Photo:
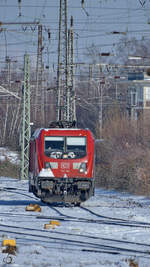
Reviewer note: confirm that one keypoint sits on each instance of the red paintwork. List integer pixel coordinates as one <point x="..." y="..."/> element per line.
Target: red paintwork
<point x="65" y="166"/>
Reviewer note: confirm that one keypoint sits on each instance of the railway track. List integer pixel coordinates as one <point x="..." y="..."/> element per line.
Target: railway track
<point x="31" y="235"/>
<point x="74" y="234"/>
<point x="63" y="217"/>
<point x="17" y="191"/>
<point x="103" y="219"/>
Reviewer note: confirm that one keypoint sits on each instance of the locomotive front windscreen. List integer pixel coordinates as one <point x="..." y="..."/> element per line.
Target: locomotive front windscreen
<point x="65" y="147"/>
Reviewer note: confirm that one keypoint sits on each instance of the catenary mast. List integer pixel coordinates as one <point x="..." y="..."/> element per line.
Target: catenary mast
<point x="25" y="135"/>
<point x="65" y="100"/>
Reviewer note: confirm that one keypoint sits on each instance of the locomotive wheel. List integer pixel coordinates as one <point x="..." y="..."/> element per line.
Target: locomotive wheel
<point x="83" y="196"/>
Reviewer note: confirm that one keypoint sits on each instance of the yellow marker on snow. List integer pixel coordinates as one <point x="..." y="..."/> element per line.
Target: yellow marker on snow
<point x="33" y="207"/>
<point x="48" y="226"/>
<point x="9" y="242"/>
<point x="57" y="223"/>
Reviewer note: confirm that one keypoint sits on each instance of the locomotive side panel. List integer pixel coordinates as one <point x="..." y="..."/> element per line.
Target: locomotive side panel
<point x="33" y="164"/>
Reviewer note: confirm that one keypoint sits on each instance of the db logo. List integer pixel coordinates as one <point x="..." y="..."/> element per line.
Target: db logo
<point x="65" y="165"/>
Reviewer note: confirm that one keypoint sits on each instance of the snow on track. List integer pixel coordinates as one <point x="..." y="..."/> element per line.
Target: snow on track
<point x="110" y="229"/>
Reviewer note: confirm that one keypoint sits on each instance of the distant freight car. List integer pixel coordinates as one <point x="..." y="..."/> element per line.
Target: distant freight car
<point x="61" y="165"/>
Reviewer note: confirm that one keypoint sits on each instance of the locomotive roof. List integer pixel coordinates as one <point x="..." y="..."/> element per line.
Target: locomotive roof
<point x="38" y="131"/>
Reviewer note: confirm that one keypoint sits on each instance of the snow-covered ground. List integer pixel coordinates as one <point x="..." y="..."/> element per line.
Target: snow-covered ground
<point x="110" y="229"/>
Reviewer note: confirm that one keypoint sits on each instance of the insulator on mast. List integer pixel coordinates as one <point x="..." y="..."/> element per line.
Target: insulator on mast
<point x="82" y="3"/>
<point x="142" y="2"/>
<point x="19" y="5"/>
<point x="49" y="34"/>
<point x="71" y="21"/>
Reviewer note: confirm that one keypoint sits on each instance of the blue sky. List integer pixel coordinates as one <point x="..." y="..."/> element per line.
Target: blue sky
<point x="95" y="26"/>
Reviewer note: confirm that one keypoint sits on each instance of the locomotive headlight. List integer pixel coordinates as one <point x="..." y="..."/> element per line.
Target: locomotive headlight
<point x="65" y="156"/>
<point x="82" y="167"/>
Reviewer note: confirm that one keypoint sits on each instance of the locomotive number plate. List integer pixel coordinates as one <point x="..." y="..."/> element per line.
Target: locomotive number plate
<point x="65" y="165"/>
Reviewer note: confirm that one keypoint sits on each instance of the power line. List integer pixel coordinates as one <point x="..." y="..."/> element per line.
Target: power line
<point x="74" y="7"/>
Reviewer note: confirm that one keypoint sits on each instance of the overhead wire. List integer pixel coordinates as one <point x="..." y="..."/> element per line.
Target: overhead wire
<point x="71" y="7"/>
<point x="82" y="29"/>
<point x="80" y="48"/>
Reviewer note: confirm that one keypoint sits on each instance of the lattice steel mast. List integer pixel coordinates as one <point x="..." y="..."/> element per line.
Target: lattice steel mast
<point x="25" y="134"/>
<point x="72" y="104"/>
<point x="39" y="94"/>
<point x="65" y="101"/>
<point x="62" y="68"/>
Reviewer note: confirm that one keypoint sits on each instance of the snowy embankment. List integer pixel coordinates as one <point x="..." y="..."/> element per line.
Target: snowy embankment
<point x="110" y="229"/>
<point x="6" y="154"/>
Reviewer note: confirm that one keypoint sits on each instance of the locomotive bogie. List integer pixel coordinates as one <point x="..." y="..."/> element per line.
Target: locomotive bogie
<point x="62" y="190"/>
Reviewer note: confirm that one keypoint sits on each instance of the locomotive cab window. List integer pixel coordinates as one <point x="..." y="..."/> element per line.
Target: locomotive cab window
<point x="76" y="145"/>
<point x="65" y="147"/>
<point x="54" y="144"/>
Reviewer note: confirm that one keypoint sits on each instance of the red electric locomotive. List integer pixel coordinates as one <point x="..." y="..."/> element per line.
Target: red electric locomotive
<point x="61" y="166"/>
